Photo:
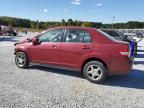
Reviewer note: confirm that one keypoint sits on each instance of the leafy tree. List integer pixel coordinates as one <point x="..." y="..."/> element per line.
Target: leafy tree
<point x="63" y="23"/>
<point x="96" y="25"/>
<point x="26" y="23"/>
<point x="76" y="23"/>
<point x="86" y="24"/>
<point x="70" y="22"/>
<point x="134" y="24"/>
<point x="33" y="25"/>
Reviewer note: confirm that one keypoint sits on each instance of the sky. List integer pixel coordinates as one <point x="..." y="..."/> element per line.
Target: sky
<point x="105" y="11"/>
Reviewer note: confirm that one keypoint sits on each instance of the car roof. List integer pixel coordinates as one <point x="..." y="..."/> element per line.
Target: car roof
<point x="72" y="27"/>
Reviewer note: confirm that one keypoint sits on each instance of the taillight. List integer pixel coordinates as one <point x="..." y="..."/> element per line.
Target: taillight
<point x="125" y="51"/>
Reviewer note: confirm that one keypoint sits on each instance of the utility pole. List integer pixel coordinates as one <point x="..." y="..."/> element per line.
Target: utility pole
<point x="113" y="22"/>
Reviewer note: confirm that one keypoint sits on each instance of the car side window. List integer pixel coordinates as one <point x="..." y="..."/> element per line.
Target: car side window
<point x="80" y="36"/>
<point x="52" y="36"/>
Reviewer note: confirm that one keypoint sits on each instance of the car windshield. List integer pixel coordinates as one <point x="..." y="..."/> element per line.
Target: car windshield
<point x="51" y="36"/>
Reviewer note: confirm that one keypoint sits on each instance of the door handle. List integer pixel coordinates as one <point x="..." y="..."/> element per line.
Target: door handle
<point x="54" y="46"/>
<point x="85" y="47"/>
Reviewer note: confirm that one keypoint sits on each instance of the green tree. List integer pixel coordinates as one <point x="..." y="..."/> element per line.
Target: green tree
<point x="33" y="25"/>
<point x="86" y="24"/>
<point x="63" y="23"/>
<point x="76" y="23"/>
<point x="70" y="22"/>
<point x="134" y="25"/>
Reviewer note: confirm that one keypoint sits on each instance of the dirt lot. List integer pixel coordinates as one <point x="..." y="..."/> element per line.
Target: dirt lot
<point x="43" y="87"/>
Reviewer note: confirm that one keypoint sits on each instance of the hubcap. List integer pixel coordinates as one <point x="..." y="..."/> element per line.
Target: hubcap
<point x="94" y="72"/>
<point x="20" y="59"/>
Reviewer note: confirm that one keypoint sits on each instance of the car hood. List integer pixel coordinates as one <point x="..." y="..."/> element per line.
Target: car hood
<point x="23" y="41"/>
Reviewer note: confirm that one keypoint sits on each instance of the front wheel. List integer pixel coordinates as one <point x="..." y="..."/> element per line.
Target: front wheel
<point x="21" y="60"/>
<point x="14" y="34"/>
<point x="95" y="71"/>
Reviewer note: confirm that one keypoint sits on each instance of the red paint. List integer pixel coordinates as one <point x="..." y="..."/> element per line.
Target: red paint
<point x="74" y="55"/>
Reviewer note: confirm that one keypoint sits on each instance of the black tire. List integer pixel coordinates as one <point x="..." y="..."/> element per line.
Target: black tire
<point x="99" y="70"/>
<point x="14" y="34"/>
<point x="21" y="60"/>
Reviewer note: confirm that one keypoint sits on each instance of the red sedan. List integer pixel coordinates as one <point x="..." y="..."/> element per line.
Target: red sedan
<point x="87" y="50"/>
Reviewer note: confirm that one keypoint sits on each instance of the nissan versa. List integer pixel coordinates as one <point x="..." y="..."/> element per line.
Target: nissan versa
<point x="88" y="50"/>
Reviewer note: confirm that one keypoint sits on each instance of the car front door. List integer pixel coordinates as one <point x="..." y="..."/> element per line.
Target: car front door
<point x="48" y="51"/>
<point x="76" y="45"/>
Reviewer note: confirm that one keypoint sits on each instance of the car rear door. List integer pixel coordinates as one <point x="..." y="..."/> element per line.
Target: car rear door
<point x="76" y="45"/>
<point x="49" y="49"/>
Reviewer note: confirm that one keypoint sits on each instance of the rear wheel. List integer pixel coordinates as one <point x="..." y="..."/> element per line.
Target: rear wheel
<point x="14" y="34"/>
<point x="95" y="71"/>
<point x="21" y="60"/>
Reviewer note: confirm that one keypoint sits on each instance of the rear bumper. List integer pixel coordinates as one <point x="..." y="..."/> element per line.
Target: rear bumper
<point x="121" y="66"/>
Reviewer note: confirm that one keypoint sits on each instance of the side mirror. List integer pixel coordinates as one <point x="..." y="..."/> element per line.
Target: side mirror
<point x="35" y="41"/>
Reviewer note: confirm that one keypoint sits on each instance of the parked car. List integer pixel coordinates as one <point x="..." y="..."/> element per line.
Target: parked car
<point x="86" y="50"/>
<point x="7" y="30"/>
<point x="120" y="36"/>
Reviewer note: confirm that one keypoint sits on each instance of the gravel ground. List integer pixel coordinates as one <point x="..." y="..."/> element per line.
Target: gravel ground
<point x="44" y="87"/>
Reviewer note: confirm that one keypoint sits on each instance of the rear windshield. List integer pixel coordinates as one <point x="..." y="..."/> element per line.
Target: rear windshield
<point x="107" y="35"/>
<point x="111" y="33"/>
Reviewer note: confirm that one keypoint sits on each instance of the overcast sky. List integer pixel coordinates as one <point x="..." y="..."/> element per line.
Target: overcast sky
<point x="85" y="10"/>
